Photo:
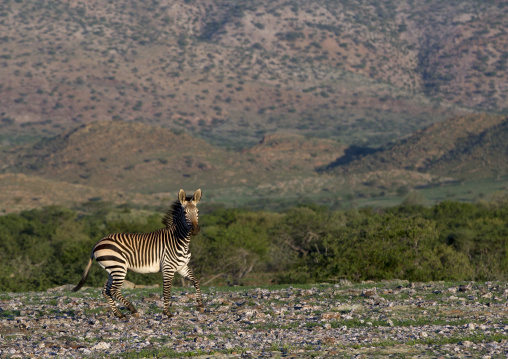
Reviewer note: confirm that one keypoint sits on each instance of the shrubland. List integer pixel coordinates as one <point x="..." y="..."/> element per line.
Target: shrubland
<point x="48" y="247"/>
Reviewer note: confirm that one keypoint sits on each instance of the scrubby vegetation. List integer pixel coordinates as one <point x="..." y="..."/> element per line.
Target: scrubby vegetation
<point x="307" y="244"/>
<point x="228" y="72"/>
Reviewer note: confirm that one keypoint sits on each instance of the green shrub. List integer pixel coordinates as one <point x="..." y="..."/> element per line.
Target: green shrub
<point x="49" y="247"/>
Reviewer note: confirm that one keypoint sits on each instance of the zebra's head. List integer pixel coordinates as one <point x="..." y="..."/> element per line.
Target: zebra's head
<point x="190" y="210"/>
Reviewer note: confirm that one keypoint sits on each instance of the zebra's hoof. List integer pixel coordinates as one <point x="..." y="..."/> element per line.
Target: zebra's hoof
<point x="169" y="314"/>
<point x="135" y="315"/>
<point x="201" y="309"/>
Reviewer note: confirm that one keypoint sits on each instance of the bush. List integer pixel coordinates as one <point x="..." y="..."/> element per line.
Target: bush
<point x="49" y="247"/>
<point x="233" y="244"/>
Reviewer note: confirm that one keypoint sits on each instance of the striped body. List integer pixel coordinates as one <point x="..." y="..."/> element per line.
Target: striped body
<point x="165" y="250"/>
<point x="142" y="252"/>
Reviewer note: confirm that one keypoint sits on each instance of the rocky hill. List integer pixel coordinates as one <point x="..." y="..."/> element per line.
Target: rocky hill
<point x="122" y="162"/>
<point x="465" y="147"/>
<point x="230" y="72"/>
<point x="131" y="160"/>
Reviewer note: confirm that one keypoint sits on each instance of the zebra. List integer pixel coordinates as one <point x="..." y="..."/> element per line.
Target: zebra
<point x="166" y="250"/>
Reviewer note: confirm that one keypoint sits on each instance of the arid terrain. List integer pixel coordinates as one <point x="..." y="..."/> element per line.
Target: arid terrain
<point x="138" y="164"/>
<point x="127" y="102"/>
<point x="393" y="319"/>
<point x="230" y="72"/>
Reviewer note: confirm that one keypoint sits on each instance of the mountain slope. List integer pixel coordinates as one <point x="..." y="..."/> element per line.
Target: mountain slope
<point x="481" y="155"/>
<point x="22" y="192"/>
<point x="472" y="146"/>
<point x="134" y="157"/>
<point x="123" y="162"/>
<point x="230" y="72"/>
<point x="119" y="155"/>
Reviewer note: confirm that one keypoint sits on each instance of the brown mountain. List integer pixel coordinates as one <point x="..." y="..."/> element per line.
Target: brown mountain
<point x="122" y="162"/>
<point x="137" y="158"/>
<point x="467" y="147"/>
<point x="481" y="155"/>
<point x="120" y="155"/>
<point x="230" y="72"/>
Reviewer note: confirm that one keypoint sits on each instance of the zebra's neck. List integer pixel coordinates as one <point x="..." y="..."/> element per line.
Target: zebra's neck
<point x="179" y="231"/>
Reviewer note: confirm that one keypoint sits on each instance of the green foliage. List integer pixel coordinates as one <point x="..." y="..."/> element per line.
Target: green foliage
<point x="450" y="241"/>
<point x="44" y="248"/>
<point x="240" y="239"/>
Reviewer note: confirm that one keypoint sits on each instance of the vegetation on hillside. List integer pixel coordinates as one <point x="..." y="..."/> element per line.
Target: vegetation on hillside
<point x="363" y="72"/>
<point x="140" y="164"/>
<point x="461" y="148"/>
<point x="307" y="244"/>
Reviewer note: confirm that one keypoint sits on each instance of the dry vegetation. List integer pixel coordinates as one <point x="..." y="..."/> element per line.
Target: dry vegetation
<point x="472" y="146"/>
<point x="121" y="162"/>
<point x="230" y="72"/>
<point x="213" y="79"/>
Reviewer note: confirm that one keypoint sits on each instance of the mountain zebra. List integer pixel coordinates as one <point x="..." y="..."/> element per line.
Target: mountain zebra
<point x="165" y="250"/>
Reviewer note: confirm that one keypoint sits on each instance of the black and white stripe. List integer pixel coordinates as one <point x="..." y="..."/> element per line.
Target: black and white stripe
<point x="165" y="250"/>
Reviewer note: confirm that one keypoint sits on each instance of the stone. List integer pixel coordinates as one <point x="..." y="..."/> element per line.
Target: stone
<point x="330" y="315"/>
<point x="267" y="323"/>
<point x="101" y="346"/>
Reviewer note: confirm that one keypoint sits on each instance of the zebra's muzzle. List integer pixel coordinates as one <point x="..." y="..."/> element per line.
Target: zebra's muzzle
<point x="195" y="230"/>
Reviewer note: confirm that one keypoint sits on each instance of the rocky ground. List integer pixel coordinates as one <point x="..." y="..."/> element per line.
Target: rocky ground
<point x="393" y="319"/>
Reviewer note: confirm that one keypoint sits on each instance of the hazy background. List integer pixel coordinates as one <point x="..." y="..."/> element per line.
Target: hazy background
<point x="257" y="102"/>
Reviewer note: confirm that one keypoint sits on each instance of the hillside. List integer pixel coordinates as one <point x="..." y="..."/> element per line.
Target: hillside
<point x="479" y="155"/>
<point x="21" y="192"/>
<point x="132" y="159"/>
<point x="294" y="152"/>
<point x="229" y="72"/>
<point x="121" y="162"/>
<point x="467" y="147"/>
<point x="117" y="155"/>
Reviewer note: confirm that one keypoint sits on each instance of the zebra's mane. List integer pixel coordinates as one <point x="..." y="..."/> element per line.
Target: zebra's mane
<point x="173" y="212"/>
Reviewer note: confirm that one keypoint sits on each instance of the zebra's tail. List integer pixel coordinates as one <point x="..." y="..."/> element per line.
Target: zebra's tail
<point x="85" y="275"/>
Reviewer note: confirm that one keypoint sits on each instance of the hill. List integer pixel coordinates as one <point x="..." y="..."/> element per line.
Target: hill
<point x="482" y="155"/>
<point x="468" y="147"/>
<point x="133" y="159"/>
<point x="230" y="72"/>
<point x="21" y="192"/>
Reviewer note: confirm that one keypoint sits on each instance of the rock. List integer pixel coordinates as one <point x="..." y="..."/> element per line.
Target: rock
<point x="470" y="326"/>
<point x="464" y="288"/>
<point x="287" y="322"/>
<point x="128" y="285"/>
<point x="330" y="315"/>
<point x="101" y="346"/>
<point x="369" y="293"/>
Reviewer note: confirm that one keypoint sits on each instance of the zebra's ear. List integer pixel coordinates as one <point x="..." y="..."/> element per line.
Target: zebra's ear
<point x="197" y="196"/>
<point x="181" y="196"/>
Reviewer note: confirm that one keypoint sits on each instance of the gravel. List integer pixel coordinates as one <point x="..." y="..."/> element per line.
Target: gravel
<point x="392" y="318"/>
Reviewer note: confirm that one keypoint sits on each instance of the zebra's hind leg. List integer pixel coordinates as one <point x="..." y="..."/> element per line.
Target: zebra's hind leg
<point x="187" y="273"/>
<point x="107" y="293"/>
<point x="116" y="293"/>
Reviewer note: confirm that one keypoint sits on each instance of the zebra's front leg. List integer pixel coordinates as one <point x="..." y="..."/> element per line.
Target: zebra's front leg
<point x="167" y="282"/>
<point x="187" y="273"/>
